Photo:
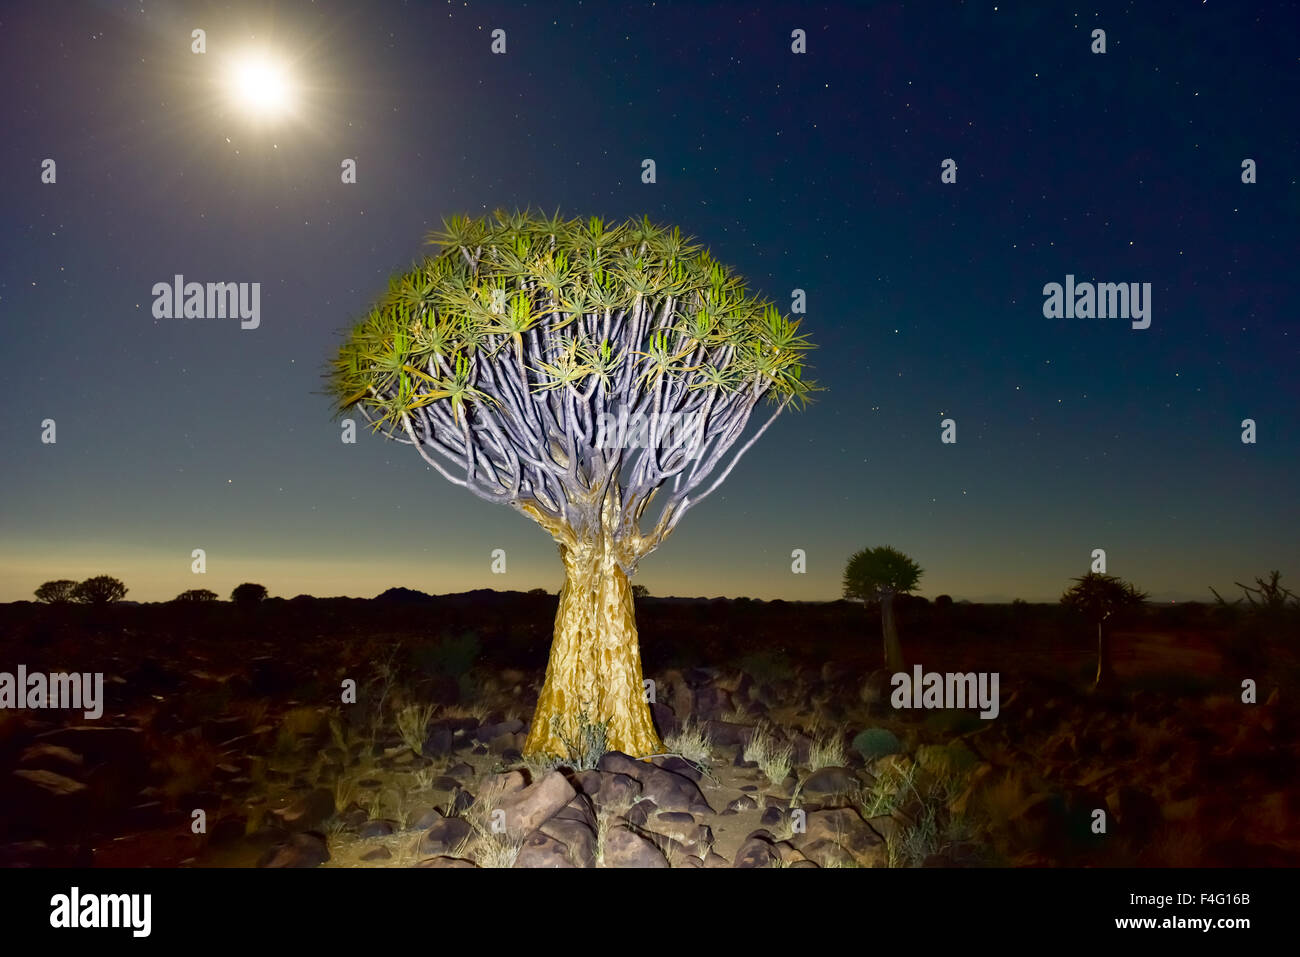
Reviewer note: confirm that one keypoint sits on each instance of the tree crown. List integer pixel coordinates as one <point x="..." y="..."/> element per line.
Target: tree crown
<point x="1099" y="596"/>
<point x="516" y="357"/>
<point x="99" y="590"/>
<point x="874" y="573"/>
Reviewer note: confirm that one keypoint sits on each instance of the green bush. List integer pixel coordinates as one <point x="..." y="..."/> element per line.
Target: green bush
<point x="767" y="665"/>
<point x="876" y="743"/>
<point x="452" y="656"/>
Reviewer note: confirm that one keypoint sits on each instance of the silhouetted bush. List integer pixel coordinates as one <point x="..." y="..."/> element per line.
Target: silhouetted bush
<point x="100" y="590"/>
<point x="248" y="594"/>
<point x="57" y="592"/>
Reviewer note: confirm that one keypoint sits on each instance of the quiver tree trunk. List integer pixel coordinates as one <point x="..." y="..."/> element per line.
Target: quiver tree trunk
<point x="1105" y="679"/>
<point x="576" y="371"/>
<point x="594" y="668"/>
<point x="893" y="650"/>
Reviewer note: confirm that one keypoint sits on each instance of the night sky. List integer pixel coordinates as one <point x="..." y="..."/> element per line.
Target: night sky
<point x="817" y="171"/>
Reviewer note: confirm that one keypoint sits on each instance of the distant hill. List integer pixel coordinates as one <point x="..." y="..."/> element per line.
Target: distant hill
<point x="404" y="596"/>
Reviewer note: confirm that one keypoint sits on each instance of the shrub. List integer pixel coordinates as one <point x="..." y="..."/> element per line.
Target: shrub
<point x="767" y="665"/>
<point x="248" y="594"/>
<point x="876" y="743"/>
<point x="57" y="592"/>
<point x="100" y="590"/>
<point x="452" y="656"/>
<point x="588" y="746"/>
<point x="196" y="595"/>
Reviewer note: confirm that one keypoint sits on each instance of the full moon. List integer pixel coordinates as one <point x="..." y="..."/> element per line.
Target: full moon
<point x="260" y="85"/>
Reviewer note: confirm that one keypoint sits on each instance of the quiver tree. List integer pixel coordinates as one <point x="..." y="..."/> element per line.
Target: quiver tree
<point x="248" y="595"/>
<point x="878" y="574"/>
<point x="579" y="373"/>
<point x="100" y="590"/>
<point x="61" y="591"/>
<point x="1101" y="597"/>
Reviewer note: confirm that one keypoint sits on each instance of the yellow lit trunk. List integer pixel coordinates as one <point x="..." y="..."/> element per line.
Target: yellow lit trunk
<point x="595" y="662"/>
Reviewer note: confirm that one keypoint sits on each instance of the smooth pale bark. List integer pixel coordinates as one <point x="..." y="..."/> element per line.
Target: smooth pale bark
<point x="595" y="662"/>
<point x="893" y="650"/>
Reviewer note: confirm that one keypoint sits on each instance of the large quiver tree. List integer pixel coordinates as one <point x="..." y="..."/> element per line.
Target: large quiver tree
<point x="577" y="372"/>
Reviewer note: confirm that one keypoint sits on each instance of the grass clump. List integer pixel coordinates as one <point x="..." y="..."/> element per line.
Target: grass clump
<point x="773" y="757"/>
<point x="692" y="742"/>
<point x="413" y="725"/>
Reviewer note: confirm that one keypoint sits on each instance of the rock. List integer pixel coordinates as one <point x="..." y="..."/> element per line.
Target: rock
<point x="843" y="826"/>
<point x="772" y="816"/>
<point x="832" y="781"/>
<point x="668" y="790"/>
<point x="422" y="818"/>
<point x="101" y="744"/>
<point x="683" y="828"/>
<point x="309" y="812"/>
<point x="52" y="757"/>
<point x="742" y="803"/>
<point x="625" y="848"/>
<point x="511" y="782"/>
<point x="445" y="837"/>
<point x="826" y="853"/>
<point x="443" y="861"/>
<point x="377" y="854"/>
<point x="308" y="723"/>
<point x="376" y="828"/>
<point x="304" y="849"/>
<point x="43" y="803"/>
<point x="438" y="742"/>
<point x="577" y="837"/>
<point x="607" y="789"/>
<point x="526" y="810"/>
<point x="665" y="719"/>
<point x="542" y="850"/>
<point x="489" y="732"/>
<point x="756" y="852"/>
<point x="787" y="852"/>
<point x="48" y="784"/>
<point x="886" y="826"/>
<point x="461" y="801"/>
<point x="507" y="744"/>
<point x="728" y="734"/>
<point x="640" y="812"/>
<point x="679" y="766"/>
<point x="711" y="702"/>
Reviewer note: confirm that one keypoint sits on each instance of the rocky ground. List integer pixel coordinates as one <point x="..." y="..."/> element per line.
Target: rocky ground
<point x="237" y="756"/>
